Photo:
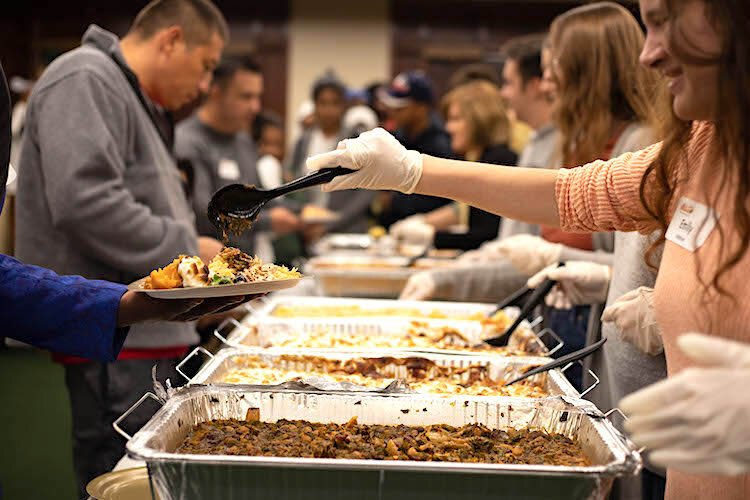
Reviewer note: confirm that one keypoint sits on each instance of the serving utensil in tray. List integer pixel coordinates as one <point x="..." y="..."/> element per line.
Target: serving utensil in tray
<point x="263" y="324"/>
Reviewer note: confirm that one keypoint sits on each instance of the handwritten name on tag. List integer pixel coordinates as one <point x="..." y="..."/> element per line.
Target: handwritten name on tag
<point x="691" y="224"/>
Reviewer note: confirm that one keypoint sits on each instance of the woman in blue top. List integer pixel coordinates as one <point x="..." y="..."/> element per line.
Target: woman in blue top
<point x="70" y="314"/>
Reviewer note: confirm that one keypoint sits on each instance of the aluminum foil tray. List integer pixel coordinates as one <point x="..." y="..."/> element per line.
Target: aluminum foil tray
<point x="450" y="309"/>
<point x="261" y="326"/>
<point x="186" y="477"/>
<point x="268" y="334"/>
<point x="382" y="282"/>
<point x="554" y="382"/>
<point x="340" y="244"/>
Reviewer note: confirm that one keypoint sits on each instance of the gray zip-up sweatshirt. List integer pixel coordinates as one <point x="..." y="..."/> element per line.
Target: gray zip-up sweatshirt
<point x="99" y="193"/>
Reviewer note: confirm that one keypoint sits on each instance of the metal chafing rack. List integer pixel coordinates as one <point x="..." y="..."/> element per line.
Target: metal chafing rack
<point x="177" y="476"/>
<point x="499" y="368"/>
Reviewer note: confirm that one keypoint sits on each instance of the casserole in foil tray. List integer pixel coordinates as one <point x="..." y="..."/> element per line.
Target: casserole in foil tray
<point x="197" y="476"/>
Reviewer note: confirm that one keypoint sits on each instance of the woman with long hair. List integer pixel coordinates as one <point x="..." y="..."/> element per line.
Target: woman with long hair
<point x="602" y="107"/>
<point x="477" y="121"/>
<point x="692" y="187"/>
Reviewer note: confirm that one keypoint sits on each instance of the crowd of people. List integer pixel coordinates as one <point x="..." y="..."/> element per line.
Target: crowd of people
<point x="624" y="155"/>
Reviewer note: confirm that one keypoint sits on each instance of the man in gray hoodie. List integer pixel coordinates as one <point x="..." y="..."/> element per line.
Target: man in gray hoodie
<point x="100" y="194"/>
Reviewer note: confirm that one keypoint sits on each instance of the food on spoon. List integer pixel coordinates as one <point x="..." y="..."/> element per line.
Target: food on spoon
<point x="230" y="266"/>
<point x="233" y="226"/>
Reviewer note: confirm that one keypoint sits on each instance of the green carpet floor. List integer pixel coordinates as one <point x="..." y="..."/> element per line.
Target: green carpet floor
<point x="35" y="442"/>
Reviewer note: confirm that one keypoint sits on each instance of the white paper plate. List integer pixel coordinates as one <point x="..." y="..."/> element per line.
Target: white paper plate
<point x="208" y="292"/>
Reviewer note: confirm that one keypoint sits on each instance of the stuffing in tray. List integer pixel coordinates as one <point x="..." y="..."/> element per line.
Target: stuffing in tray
<point x="472" y="443"/>
<point x="347" y="311"/>
<point x="417" y="335"/>
<point x="230" y="266"/>
<point x="420" y="374"/>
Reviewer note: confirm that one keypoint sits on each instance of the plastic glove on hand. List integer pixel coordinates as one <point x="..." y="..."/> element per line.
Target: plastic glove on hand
<point x="382" y="163"/>
<point x="581" y="282"/>
<point x="413" y="230"/>
<point x="633" y="315"/>
<point x="485" y="253"/>
<point x="527" y="253"/>
<point x="697" y="421"/>
<point x="420" y="286"/>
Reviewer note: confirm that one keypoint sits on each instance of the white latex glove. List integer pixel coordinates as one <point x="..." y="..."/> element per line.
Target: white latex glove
<point x="527" y="253"/>
<point x="485" y="253"/>
<point x="581" y="282"/>
<point x="413" y="230"/>
<point x="633" y="315"/>
<point x="383" y="163"/>
<point x="699" y="420"/>
<point x="420" y="286"/>
<point x="472" y="257"/>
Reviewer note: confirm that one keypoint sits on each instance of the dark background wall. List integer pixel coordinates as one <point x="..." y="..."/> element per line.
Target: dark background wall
<point x="435" y="35"/>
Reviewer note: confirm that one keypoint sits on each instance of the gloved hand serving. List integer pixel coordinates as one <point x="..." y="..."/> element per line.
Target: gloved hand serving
<point x="420" y="286"/>
<point x="633" y="315"/>
<point x="697" y="421"/>
<point x="527" y="253"/>
<point x="581" y="282"/>
<point x="413" y="230"/>
<point x="382" y="163"/>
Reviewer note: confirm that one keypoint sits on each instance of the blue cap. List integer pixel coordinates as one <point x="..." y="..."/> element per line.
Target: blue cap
<point x="406" y="88"/>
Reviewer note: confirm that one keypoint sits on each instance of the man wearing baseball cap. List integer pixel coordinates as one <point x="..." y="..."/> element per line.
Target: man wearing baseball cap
<point x="410" y="99"/>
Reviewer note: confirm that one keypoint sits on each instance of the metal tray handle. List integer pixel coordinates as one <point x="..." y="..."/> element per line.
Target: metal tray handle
<point x="593" y="375"/>
<point x="116" y="423"/>
<point x="256" y="311"/>
<point x="198" y="349"/>
<point x="535" y="322"/>
<point x="551" y="333"/>
<point x="624" y="417"/>
<point x="217" y="330"/>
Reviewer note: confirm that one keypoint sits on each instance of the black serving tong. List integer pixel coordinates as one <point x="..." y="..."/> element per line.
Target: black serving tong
<point x="568" y="358"/>
<point x="517" y="298"/>
<point x="535" y="298"/>
<point x="244" y="202"/>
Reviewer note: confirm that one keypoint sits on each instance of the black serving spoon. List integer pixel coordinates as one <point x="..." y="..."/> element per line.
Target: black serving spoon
<point x="241" y="203"/>
<point x="535" y="299"/>
<point x="568" y="358"/>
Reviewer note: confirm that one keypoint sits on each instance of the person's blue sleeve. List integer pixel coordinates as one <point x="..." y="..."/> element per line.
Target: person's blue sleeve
<point x="65" y="314"/>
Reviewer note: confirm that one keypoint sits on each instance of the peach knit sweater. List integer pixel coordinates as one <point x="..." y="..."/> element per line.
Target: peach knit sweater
<point x="603" y="196"/>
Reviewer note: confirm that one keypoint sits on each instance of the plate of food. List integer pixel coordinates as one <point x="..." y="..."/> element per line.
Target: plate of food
<point x="313" y="214"/>
<point x="231" y="273"/>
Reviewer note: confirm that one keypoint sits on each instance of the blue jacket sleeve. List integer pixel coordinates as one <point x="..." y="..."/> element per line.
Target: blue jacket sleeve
<point x="65" y="314"/>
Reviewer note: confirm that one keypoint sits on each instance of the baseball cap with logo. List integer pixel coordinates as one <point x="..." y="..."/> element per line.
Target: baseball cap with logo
<point x="406" y="88"/>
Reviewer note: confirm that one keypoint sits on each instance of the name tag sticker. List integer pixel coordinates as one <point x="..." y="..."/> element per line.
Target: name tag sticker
<point x="691" y="224"/>
<point x="228" y="169"/>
